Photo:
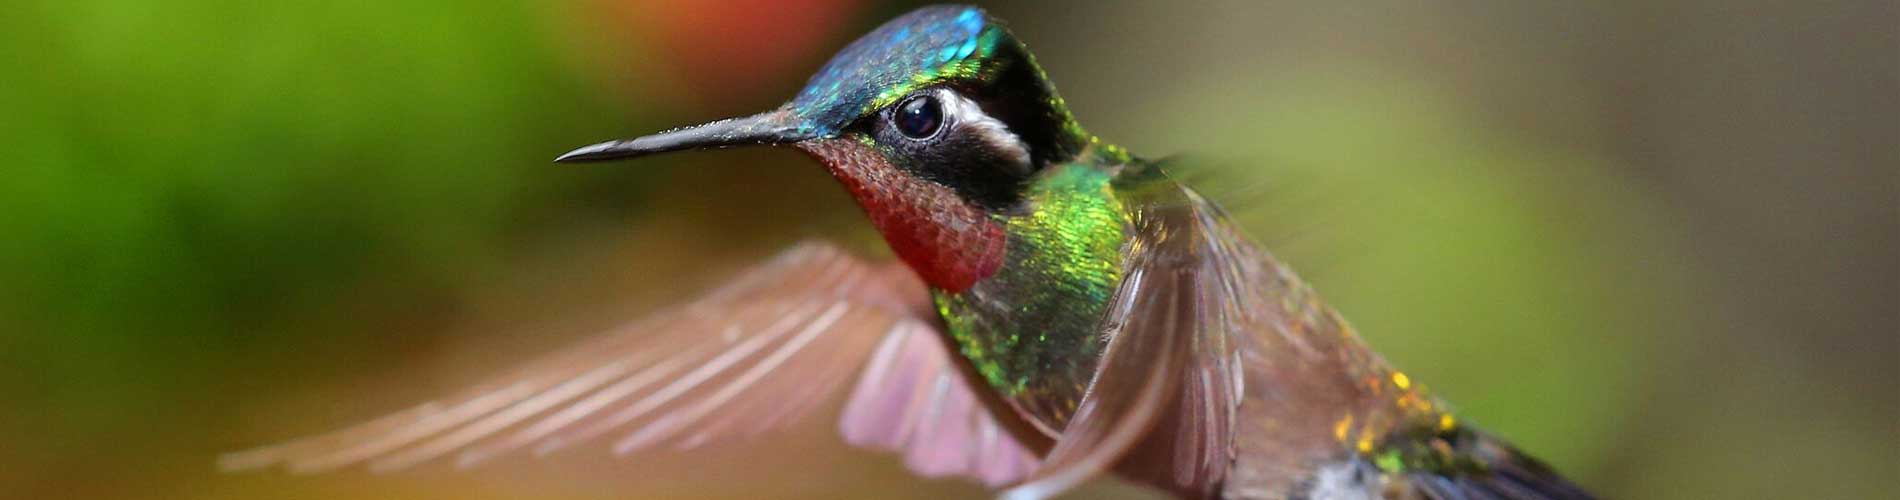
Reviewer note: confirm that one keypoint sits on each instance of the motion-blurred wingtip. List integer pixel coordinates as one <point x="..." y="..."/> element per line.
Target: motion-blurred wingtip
<point x="245" y="461"/>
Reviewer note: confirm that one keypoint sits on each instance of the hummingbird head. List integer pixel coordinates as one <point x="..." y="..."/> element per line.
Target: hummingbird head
<point x="936" y="122"/>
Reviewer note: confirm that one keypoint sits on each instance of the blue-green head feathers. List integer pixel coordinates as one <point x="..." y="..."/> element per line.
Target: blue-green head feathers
<point x="923" y="47"/>
<point x="954" y="46"/>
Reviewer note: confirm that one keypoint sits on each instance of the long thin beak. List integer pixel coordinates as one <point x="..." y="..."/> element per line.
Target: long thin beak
<point x="768" y="128"/>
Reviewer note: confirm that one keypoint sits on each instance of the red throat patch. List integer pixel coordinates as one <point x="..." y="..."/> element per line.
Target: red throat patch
<point x="949" y="242"/>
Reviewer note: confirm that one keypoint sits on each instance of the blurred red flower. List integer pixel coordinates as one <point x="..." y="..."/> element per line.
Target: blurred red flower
<point x="735" y="48"/>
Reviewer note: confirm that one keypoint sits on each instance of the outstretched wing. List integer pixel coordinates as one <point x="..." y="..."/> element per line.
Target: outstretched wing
<point x="752" y="356"/>
<point x="1261" y="374"/>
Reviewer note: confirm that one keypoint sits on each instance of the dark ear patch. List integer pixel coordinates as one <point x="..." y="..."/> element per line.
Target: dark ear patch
<point x="973" y="167"/>
<point x="1020" y="95"/>
<point x="976" y="156"/>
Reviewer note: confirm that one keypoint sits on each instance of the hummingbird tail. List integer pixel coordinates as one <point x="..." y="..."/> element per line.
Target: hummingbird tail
<point x="1506" y="473"/>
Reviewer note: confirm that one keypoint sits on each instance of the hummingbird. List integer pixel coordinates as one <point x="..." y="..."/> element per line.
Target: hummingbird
<point x="1060" y="309"/>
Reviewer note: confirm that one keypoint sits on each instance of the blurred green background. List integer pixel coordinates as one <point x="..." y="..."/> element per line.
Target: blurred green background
<point x="1657" y="243"/>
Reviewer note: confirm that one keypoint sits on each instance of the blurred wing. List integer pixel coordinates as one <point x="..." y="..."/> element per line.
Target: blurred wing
<point x="1165" y="406"/>
<point x="1168" y="363"/>
<point x="752" y="356"/>
<point x="1237" y="291"/>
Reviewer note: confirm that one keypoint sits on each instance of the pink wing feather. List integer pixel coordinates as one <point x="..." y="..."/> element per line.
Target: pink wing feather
<point x="748" y="358"/>
<point x="912" y="400"/>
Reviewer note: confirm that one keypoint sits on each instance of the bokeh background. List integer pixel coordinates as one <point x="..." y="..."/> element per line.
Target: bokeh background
<point x="1658" y="243"/>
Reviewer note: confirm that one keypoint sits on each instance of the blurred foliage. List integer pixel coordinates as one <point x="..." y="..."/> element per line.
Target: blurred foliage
<point x="186" y="176"/>
<point x="219" y="215"/>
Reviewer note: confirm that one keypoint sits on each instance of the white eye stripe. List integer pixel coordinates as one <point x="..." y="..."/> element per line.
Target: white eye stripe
<point x="967" y="115"/>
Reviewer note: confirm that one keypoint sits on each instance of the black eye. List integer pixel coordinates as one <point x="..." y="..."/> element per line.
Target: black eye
<point x="918" y="117"/>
